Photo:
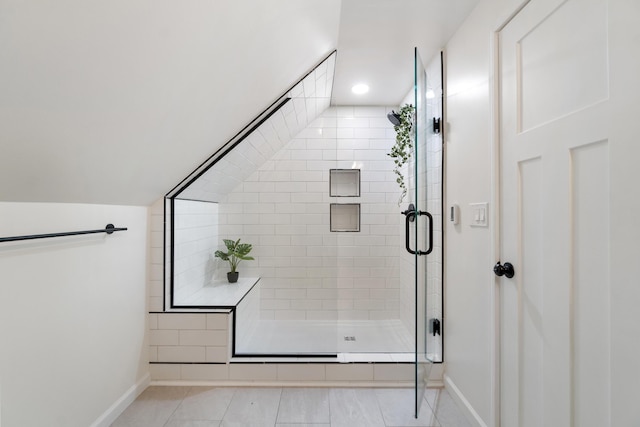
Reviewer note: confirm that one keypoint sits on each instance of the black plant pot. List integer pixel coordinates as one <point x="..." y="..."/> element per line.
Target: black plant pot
<point x="233" y="277"/>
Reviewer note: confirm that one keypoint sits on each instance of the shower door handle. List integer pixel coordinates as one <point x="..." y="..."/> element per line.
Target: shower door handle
<point x="407" y="220"/>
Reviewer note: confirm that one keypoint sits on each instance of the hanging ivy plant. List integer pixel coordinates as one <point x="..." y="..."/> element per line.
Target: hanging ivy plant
<point x="402" y="149"/>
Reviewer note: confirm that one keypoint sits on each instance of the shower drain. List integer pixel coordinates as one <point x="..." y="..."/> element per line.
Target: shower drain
<point x="350" y="338"/>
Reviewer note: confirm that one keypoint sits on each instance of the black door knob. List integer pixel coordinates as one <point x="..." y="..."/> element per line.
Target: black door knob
<point x="504" y="270"/>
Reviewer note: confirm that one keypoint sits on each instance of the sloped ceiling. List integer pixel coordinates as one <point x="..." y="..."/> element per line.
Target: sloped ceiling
<point x="301" y="105"/>
<point x="115" y="102"/>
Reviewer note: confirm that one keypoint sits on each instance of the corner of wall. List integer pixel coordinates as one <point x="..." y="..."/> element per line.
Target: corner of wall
<point x="463" y="403"/>
<point x="119" y="406"/>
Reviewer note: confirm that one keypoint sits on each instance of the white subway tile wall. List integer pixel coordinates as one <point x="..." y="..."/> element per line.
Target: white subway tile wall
<point x="166" y="328"/>
<point x="155" y="283"/>
<point x="277" y="198"/>
<point x="432" y="200"/>
<point x="406" y="261"/>
<point x="189" y="337"/>
<point x="196" y="238"/>
<point x="283" y="209"/>
<point x="278" y="373"/>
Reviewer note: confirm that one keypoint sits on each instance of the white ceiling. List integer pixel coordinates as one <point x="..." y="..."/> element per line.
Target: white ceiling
<point x="377" y="40"/>
<point x="116" y="102"/>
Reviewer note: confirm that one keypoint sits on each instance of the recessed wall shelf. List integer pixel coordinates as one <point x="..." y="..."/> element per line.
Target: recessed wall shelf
<point x="344" y="182"/>
<point x="345" y="217"/>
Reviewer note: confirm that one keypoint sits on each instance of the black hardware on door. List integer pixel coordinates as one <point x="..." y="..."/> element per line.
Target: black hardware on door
<point x="436" y="125"/>
<point x="434" y="326"/>
<point x="504" y="270"/>
<point x="410" y="212"/>
<point x="410" y="217"/>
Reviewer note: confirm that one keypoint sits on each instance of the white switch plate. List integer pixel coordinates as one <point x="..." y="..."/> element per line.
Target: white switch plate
<point x="479" y="214"/>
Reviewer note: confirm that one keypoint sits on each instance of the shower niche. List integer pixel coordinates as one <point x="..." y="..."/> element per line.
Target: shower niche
<point x="344" y="183"/>
<point x="344" y="217"/>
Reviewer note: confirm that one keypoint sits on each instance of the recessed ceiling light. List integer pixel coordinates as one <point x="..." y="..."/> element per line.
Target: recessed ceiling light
<point x="360" y="89"/>
<point x="430" y="94"/>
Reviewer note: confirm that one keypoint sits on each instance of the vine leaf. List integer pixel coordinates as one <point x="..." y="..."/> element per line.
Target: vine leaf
<point x="402" y="149"/>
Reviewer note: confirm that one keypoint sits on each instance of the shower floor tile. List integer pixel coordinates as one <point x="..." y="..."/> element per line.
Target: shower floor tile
<point x="326" y="337"/>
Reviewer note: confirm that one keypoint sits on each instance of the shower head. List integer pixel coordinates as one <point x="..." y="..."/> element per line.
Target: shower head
<point x="394" y="118"/>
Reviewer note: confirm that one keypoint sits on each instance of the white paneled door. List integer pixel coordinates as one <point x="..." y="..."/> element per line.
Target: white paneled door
<point x="554" y="191"/>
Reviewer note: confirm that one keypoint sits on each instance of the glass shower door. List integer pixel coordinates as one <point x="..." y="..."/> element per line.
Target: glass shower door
<point x="423" y="229"/>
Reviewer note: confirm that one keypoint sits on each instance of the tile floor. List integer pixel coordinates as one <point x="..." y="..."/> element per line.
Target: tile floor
<point x="168" y="406"/>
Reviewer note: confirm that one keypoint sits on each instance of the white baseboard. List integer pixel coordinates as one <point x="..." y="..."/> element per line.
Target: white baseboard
<point x="435" y="384"/>
<point x="463" y="403"/>
<point x="118" y="407"/>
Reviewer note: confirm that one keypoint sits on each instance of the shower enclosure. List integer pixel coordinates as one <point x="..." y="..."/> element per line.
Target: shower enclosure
<point x="339" y="271"/>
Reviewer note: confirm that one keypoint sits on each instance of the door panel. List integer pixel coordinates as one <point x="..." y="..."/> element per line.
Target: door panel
<point x="591" y="315"/>
<point x="531" y="353"/>
<point x="554" y="98"/>
<point x="555" y="51"/>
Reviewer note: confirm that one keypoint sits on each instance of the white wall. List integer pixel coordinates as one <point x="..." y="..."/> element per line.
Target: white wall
<point x="109" y="75"/>
<point x="624" y="55"/>
<point x="469" y="255"/>
<point x="468" y="250"/>
<point x="72" y="312"/>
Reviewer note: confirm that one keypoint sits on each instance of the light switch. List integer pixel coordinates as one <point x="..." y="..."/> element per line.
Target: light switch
<point x="479" y="214"/>
<point x="454" y="214"/>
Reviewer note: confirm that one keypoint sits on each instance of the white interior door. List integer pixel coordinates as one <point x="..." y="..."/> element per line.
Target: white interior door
<point x="554" y="185"/>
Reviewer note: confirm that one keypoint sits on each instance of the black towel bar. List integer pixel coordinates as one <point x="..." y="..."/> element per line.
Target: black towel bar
<point x="109" y="229"/>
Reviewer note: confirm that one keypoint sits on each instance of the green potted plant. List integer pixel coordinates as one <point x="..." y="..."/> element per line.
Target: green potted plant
<point x="236" y="252"/>
<point x="402" y="149"/>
